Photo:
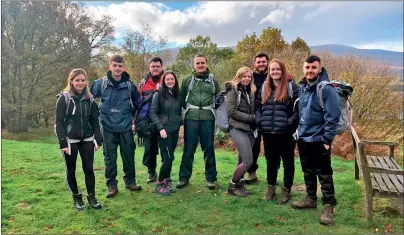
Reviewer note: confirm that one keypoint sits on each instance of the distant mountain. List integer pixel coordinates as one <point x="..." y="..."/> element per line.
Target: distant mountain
<point x="393" y="57"/>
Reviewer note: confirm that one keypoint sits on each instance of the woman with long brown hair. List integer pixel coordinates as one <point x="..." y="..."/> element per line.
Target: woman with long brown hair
<point x="78" y="130"/>
<point x="165" y="113"/>
<point x="277" y="120"/>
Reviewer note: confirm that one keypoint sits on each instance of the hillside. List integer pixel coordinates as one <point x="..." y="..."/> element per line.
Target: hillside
<point x="392" y="57"/>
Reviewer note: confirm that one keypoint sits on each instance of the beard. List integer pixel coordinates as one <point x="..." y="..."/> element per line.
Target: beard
<point x="260" y="71"/>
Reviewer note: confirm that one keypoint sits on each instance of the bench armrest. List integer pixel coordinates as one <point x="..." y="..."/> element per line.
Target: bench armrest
<point x="379" y="142"/>
<point x="375" y="169"/>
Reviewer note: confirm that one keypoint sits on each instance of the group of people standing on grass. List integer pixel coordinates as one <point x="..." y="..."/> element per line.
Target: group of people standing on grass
<point x="264" y="104"/>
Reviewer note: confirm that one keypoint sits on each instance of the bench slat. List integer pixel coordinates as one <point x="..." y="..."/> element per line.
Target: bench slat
<point x="393" y="178"/>
<point x="390" y="163"/>
<point x="374" y="183"/>
<point x="399" y="177"/>
<point x="385" y="178"/>
<point x="396" y="182"/>
<point x="377" y="177"/>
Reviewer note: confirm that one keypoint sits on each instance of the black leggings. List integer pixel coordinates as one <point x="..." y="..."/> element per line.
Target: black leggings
<point x="276" y="147"/>
<point x="86" y="149"/>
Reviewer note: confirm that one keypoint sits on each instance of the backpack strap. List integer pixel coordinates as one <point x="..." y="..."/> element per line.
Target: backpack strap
<point x="66" y="95"/>
<point x="319" y="90"/>
<point x="104" y="84"/>
<point x="141" y="84"/>
<point x="238" y="98"/>
<point x="129" y="84"/>
<point x="290" y="90"/>
<point x="191" y="86"/>
<point x="263" y="89"/>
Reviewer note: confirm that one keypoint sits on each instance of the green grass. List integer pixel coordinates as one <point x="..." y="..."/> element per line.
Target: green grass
<point x="36" y="200"/>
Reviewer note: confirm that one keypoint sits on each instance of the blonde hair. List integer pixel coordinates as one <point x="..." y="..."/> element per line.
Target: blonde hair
<point x="74" y="73"/>
<point x="240" y="73"/>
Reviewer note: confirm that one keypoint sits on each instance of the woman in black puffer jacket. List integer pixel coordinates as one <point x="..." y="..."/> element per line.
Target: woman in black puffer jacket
<point x="78" y="130"/>
<point x="277" y="119"/>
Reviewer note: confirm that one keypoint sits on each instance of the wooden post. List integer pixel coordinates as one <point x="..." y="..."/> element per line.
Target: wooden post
<point x="391" y="151"/>
<point x="367" y="181"/>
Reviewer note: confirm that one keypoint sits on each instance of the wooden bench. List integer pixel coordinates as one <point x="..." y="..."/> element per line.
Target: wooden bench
<point x="382" y="176"/>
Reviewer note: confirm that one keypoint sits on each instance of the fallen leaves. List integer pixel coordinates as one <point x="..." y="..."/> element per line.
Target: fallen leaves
<point x="388" y="228"/>
<point x="280" y="218"/>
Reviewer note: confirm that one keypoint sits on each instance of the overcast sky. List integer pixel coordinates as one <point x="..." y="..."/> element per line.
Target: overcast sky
<point x="366" y="25"/>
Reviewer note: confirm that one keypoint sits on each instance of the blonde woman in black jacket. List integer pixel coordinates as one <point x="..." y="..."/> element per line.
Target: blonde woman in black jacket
<point x="240" y="108"/>
<point x="78" y="130"/>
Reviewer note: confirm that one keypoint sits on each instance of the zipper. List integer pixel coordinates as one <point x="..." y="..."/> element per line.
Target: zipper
<point x="81" y="119"/>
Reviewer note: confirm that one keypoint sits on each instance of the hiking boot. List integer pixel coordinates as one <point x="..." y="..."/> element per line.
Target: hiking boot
<point x="211" y="185"/>
<point x="152" y="177"/>
<point x="242" y="181"/>
<point x="236" y="189"/>
<point x="78" y="201"/>
<point x="168" y="185"/>
<point x="307" y="202"/>
<point x="326" y="217"/>
<point x="161" y="189"/>
<point x="112" y="191"/>
<point x="93" y="201"/>
<point x="270" y="193"/>
<point x="251" y="178"/>
<point x="181" y="184"/>
<point x="286" y="196"/>
<point x="133" y="187"/>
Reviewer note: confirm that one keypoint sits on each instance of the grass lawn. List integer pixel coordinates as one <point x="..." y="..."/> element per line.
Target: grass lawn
<point x="36" y="200"/>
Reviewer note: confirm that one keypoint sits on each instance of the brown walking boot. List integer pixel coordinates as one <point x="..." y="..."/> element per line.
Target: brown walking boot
<point x="326" y="217"/>
<point x="270" y="193"/>
<point x="236" y="189"/>
<point x="286" y="196"/>
<point x="112" y="191"/>
<point x="133" y="187"/>
<point x="251" y="178"/>
<point x="242" y="182"/>
<point x="305" y="203"/>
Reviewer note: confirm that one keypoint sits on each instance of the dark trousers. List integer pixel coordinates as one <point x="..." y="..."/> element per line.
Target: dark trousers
<point x="256" y="152"/>
<point x="194" y="131"/>
<point x="86" y="149"/>
<point x="279" y="147"/>
<point x="167" y="148"/>
<point x="127" y="149"/>
<point x="151" y="151"/>
<point x="316" y="162"/>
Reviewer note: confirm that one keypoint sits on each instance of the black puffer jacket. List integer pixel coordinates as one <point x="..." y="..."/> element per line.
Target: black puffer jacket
<point x="241" y="117"/>
<point x="275" y="117"/>
<point x="80" y="122"/>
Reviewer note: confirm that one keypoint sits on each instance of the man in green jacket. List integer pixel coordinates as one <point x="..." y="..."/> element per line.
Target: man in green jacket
<point x="198" y="92"/>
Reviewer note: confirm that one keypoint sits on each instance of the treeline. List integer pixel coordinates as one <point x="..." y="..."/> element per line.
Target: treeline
<point x="42" y="41"/>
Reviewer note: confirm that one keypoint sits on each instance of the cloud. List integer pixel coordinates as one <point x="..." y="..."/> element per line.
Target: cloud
<point x="348" y="23"/>
<point x="276" y="16"/>
<point x="386" y="45"/>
